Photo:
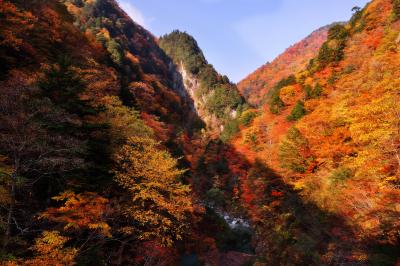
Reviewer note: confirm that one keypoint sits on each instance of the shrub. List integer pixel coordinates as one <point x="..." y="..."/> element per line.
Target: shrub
<point x="341" y="174"/>
<point x="357" y="22"/>
<point x="318" y="90"/>
<point x="338" y="32"/>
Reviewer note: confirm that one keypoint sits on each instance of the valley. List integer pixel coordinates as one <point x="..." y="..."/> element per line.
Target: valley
<point x="121" y="148"/>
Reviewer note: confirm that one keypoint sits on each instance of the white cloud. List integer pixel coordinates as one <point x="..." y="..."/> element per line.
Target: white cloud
<point x="132" y="11"/>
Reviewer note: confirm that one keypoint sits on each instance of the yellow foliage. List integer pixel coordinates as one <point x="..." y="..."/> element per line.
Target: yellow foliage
<point x="288" y="94"/>
<point x="124" y="122"/>
<point x="50" y="250"/>
<point x="160" y="203"/>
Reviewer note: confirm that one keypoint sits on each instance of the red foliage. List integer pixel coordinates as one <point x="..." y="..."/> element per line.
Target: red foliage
<point x="150" y="253"/>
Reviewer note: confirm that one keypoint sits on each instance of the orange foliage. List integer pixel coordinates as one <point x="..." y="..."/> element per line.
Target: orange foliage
<point x="293" y="60"/>
<point x="86" y="211"/>
<point x="12" y="23"/>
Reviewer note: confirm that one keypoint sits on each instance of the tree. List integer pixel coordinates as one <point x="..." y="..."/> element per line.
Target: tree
<point x="396" y="9"/>
<point x="33" y="151"/>
<point x="114" y="48"/>
<point x="356" y="9"/>
<point x="182" y="47"/>
<point x="80" y="212"/>
<point x="298" y="112"/>
<point x="276" y="104"/>
<point x="333" y="49"/>
<point x="50" y="249"/>
<point x="223" y="100"/>
<point x="294" y="152"/>
<point x="313" y="93"/>
<point x="63" y="86"/>
<point x="160" y="203"/>
<point x="123" y="122"/>
<point x="13" y="23"/>
<point x="230" y="129"/>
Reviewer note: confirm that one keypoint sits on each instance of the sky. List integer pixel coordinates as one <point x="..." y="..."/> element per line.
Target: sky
<point x="238" y="36"/>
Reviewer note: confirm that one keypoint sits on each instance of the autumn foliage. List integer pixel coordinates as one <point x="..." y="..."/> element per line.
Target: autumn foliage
<point x="105" y="159"/>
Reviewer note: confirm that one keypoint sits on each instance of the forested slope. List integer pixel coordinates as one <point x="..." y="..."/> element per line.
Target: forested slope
<point x="331" y="134"/>
<point x="120" y="149"/>
<point x="256" y="86"/>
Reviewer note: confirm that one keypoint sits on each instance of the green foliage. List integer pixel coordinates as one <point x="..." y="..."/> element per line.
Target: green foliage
<point x="244" y="118"/>
<point x="215" y="196"/>
<point x="63" y="85"/>
<point x="291" y="80"/>
<point x="230" y="129"/>
<point x="182" y="47"/>
<point x="114" y="48"/>
<point x="338" y="32"/>
<point x="276" y="104"/>
<point x="223" y="96"/>
<point x="333" y="78"/>
<point x="333" y="49"/>
<point x="123" y="122"/>
<point x="292" y="152"/>
<point x="318" y="90"/>
<point x="208" y="77"/>
<point x="313" y="93"/>
<point x="247" y="117"/>
<point x="298" y="112"/>
<point x="349" y="69"/>
<point x="223" y="100"/>
<point x="329" y="54"/>
<point x="341" y="174"/>
<point x="357" y="22"/>
<point x="396" y="9"/>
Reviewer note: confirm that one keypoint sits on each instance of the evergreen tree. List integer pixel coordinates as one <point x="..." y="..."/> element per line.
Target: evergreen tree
<point x="298" y="112"/>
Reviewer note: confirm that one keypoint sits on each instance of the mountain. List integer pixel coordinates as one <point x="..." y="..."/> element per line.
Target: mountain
<point x="216" y="99"/>
<point x="326" y="145"/>
<point x="255" y="86"/>
<point x="147" y="78"/>
<point x="94" y="114"/>
<point x="118" y="148"/>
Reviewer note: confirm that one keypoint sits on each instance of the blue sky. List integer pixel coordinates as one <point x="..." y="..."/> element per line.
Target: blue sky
<point x="238" y="36"/>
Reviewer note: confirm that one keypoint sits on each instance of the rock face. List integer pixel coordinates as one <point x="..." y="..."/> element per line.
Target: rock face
<point x="146" y="80"/>
<point x="188" y="85"/>
<point x="214" y="98"/>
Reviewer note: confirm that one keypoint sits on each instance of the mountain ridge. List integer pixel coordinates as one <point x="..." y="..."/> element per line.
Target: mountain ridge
<point x="120" y="149"/>
<point x="293" y="59"/>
